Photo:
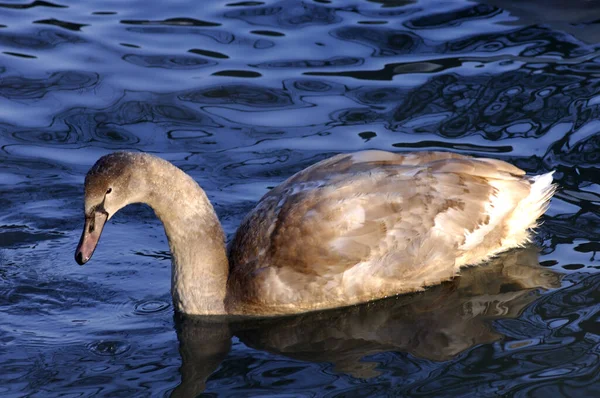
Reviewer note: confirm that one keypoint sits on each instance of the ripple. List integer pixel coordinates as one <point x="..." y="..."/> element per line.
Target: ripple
<point x="378" y="95"/>
<point x="36" y="3"/>
<point x="188" y="134"/>
<point x="44" y="39"/>
<point x="372" y="22"/>
<point x="109" y="347"/>
<point x="171" y="22"/>
<point x="367" y="135"/>
<point x="538" y="41"/>
<point x="29" y="295"/>
<point x="81" y="80"/>
<point x="114" y="134"/>
<point x="455" y="146"/>
<point x="237" y="73"/>
<point x="394" y="3"/>
<point x="331" y="62"/>
<point x="245" y="4"/>
<point x="572" y="267"/>
<point x="240" y="94"/>
<point x="267" y="33"/>
<point x="386" y="42"/>
<point x="394" y="69"/>
<point x="61" y="24"/>
<point x="206" y="53"/>
<point x="454" y="18"/>
<point x="151" y="307"/>
<point x="17" y="235"/>
<point x="20" y="88"/>
<point x="286" y="14"/>
<point x="316" y="86"/>
<point x="167" y="61"/>
<point x="20" y="55"/>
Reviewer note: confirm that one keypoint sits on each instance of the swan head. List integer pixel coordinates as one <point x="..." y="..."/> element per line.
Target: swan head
<point x="110" y="185"/>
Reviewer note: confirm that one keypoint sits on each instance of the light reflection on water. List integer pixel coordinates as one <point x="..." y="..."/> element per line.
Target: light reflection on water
<point x="242" y="95"/>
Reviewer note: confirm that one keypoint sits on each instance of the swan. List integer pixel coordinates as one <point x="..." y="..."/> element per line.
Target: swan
<point x="349" y="229"/>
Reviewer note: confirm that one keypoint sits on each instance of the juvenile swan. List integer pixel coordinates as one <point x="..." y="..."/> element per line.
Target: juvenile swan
<point x="349" y="229"/>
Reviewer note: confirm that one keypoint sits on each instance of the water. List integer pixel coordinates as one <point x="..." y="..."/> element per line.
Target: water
<point x="243" y="94"/>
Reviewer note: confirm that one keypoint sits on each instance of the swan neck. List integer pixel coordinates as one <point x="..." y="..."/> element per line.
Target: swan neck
<point x="199" y="261"/>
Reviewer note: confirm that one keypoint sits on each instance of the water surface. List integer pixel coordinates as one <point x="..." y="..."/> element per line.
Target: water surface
<point x="243" y="94"/>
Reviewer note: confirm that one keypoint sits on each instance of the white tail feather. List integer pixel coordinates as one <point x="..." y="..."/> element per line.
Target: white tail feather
<point x="528" y="211"/>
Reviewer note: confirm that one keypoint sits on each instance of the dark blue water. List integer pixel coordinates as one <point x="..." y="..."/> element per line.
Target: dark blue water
<point x="243" y="94"/>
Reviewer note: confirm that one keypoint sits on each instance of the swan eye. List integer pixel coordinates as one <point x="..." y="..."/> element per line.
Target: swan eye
<point x="109" y="190"/>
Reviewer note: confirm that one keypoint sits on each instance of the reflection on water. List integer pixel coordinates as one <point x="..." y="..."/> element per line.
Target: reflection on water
<point x="243" y="94"/>
<point x="435" y="325"/>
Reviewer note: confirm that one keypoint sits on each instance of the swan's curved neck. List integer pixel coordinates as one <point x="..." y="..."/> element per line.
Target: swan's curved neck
<point x="200" y="266"/>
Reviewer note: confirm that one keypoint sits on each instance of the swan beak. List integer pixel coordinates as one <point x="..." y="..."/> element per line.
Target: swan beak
<point x="90" y="236"/>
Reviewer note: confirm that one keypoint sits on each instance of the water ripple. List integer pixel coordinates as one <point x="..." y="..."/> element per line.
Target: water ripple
<point x="36" y="3"/>
<point x="151" y="307"/>
<point x="18" y="88"/>
<point x="241" y="95"/>
<point x="286" y="14"/>
<point x="454" y="18"/>
<point x="168" y="61"/>
<point x="45" y="39"/>
<point x="109" y="348"/>
<point x="171" y="22"/>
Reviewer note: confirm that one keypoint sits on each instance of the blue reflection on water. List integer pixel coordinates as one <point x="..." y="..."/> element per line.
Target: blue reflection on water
<point x="243" y="94"/>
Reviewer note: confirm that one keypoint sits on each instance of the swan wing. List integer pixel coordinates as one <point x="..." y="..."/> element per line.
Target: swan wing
<point x="376" y="223"/>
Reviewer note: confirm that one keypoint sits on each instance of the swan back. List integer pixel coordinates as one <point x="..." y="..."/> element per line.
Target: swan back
<point x="367" y="225"/>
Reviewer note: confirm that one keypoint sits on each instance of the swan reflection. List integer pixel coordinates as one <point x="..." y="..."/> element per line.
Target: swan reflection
<point x="436" y="324"/>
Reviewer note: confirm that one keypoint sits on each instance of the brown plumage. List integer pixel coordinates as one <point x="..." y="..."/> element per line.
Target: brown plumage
<point x="352" y="228"/>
